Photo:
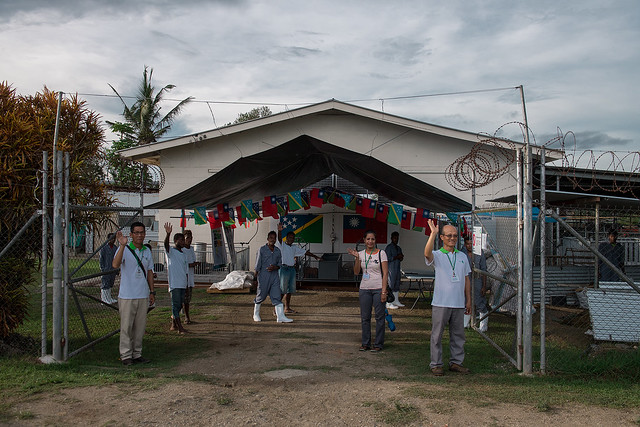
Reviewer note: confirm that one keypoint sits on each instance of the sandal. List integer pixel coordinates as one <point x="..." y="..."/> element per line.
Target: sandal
<point x="364" y="348"/>
<point x="290" y="311"/>
<point x="376" y="350"/>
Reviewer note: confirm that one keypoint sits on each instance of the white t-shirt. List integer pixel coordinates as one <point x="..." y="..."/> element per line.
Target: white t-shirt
<point x="133" y="279"/>
<point x="370" y="266"/>
<point x="178" y="270"/>
<point x="448" y="292"/>
<point x="289" y="253"/>
<point x="190" y="254"/>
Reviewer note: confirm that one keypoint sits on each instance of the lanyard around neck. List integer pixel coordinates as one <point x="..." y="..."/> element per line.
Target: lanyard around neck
<point x="366" y="263"/>
<point x="455" y="257"/>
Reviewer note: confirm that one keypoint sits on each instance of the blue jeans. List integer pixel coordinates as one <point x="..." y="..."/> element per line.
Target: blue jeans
<point x="287" y="279"/>
<point x="372" y="298"/>
<point x="177" y="299"/>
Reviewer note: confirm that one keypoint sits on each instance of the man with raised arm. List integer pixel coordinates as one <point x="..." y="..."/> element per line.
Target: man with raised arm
<point x="136" y="292"/>
<point x="451" y="297"/>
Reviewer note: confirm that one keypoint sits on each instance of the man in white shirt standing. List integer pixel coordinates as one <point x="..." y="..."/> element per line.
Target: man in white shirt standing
<point x="451" y="298"/>
<point x="288" y="269"/>
<point x="190" y="254"/>
<point x="178" y="276"/>
<point x="136" y="292"/>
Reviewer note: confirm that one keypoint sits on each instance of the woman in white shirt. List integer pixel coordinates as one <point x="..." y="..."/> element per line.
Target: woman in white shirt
<point x="373" y="289"/>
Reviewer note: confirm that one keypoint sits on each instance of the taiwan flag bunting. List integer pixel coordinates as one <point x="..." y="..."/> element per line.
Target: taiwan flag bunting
<point x="200" y="215"/>
<point x="241" y="218"/>
<point x="395" y="214"/>
<point x="256" y="211"/>
<point x="316" y="198"/>
<point x="223" y="211"/>
<point x="230" y="224"/>
<point x="183" y="219"/>
<point x="270" y="206"/>
<point x="406" y="220"/>
<point x="422" y="215"/>
<point x="214" y="221"/>
<point x="305" y="200"/>
<point x="295" y="200"/>
<point x="359" y="203"/>
<point x="427" y="231"/>
<point x="368" y="208"/>
<point x="465" y="229"/>
<point x="382" y="211"/>
<point x="283" y="206"/>
<point x="338" y="200"/>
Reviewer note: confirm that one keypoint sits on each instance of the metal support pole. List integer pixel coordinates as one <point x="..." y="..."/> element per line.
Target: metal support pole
<point x="596" y="264"/>
<point x="66" y="229"/>
<point x="474" y="275"/>
<point x="45" y="252"/>
<point x="543" y="261"/>
<point x="527" y="256"/>
<point x="57" y="241"/>
<point x="519" y="255"/>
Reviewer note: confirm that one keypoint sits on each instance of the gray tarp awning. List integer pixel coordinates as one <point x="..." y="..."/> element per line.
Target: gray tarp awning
<point x="302" y="162"/>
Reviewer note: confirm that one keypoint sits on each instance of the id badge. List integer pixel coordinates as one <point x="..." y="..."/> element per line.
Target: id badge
<point x="365" y="276"/>
<point x="139" y="273"/>
<point x="455" y="278"/>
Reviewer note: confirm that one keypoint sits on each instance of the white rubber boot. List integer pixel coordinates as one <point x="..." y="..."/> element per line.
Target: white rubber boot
<point x="113" y="300"/>
<point x="397" y="302"/>
<point x="391" y="306"/>
<point x="280" y="314"/>
<point x="106" y="296"/>
<point x="256" y="313"/>
<point x="484" y="323"/>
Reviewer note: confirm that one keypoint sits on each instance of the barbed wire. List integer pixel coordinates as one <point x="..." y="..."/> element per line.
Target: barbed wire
<point x="622" y="169"/>
<point x="491" y="157"/>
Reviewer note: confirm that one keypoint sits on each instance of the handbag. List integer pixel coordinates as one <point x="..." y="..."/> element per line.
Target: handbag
<point x="390" y="297"/>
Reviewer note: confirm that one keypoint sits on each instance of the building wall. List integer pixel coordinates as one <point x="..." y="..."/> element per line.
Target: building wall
<point x="422" y="155"/>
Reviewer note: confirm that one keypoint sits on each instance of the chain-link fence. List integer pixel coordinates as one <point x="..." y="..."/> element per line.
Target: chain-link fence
<point x="592" y="271"/>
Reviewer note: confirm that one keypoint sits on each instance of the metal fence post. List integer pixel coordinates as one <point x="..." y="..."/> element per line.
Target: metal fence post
<point x="45" y="252"/>
<point x="543" y="260"/>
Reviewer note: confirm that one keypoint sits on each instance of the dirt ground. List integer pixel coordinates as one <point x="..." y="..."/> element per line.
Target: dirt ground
<point x="308" y="372"/>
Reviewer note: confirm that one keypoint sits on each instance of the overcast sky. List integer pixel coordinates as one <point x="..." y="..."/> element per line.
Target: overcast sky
<point x="578" y="61"/>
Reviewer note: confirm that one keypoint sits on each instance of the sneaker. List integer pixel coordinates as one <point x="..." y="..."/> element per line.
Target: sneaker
<point x="437" y="371"/>
<point x="397" y="303"/>
<point x="141" y="360"/>
<point x="376" y="350"/>
<point x="364" y="348"/>
<point x="127" y="362"/>
<point x="454" y="367"/>
<point x="391" y="306"/>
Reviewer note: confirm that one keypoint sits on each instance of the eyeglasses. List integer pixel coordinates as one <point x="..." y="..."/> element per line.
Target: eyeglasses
<point x="450" y="236"/>
<point x="138" y="232"/>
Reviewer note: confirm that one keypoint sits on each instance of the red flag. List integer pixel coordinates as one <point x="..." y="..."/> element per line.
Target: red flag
<point x="406" y="220"/>
<point x="359" y="202"/>
<point x="427" y="230"/>
<point x="270" y="207"/>
<point x="213" y="219"/>
<point x="223" y="212"/>
<point x="241" y="219"/>
<point x="382" y="212"/>
<point x="183" y="219"/>
<point x="422" y="215"/>
<point x="368" y="208"/>
<point x="465" y="230"/>
<point x="316" y="198"/>
<point x="354" y="227"/>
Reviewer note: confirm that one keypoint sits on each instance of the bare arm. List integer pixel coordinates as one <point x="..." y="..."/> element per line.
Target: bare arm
<point x="356" y="264"/>
<point x="280" y="232"/>
<point x="308" y="253"/>
<point x="428" y="248"/>
<point x="122" y="240"/>
<point x="150" y="282"/>
<point x="168" y="228"/>
<point x="467" y="295"/>
<point x="385" y="280"/>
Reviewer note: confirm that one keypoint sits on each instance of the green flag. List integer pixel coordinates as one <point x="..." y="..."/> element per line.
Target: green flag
<point x="200" y="215"/>
<point x="295" y="200"/>
<point x="395" y="214"/>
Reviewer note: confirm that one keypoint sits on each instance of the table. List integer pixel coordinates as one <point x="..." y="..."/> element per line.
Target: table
<point x="424" y="282"/>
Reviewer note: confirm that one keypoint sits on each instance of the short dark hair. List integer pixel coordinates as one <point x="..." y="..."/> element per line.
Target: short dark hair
<point x="291" y="233"/>
<point x="136" y="224"/>
<point x="395" y="233"/>
<point x="187" y="233"/>
<point x="466" y="237"/>
<point x="177" y="236"/>
<point x="272" y="232"/>
<point x="613" y="232"/>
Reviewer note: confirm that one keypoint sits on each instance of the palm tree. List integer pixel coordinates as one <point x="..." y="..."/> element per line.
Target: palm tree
<point x="144" y="115"/>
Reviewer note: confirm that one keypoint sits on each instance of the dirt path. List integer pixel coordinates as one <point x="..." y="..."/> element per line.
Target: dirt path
<point x="308" y="372"/>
